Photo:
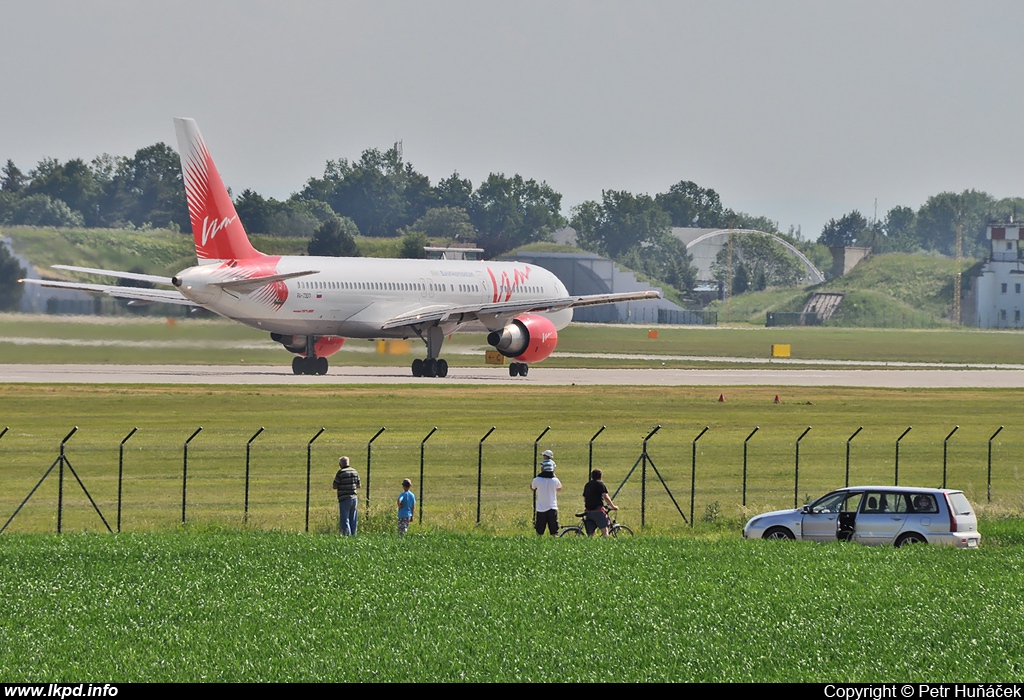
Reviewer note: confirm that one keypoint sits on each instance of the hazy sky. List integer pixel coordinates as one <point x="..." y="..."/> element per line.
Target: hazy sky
<point x="799" y="110"/>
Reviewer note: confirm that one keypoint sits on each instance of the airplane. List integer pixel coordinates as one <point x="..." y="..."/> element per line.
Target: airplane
<point x="310" y="305"/>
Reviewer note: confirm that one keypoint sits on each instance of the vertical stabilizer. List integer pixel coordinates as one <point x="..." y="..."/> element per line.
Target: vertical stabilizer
<point x="218" y="233"/>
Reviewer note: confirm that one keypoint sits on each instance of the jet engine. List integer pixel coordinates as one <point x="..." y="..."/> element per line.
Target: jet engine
<point x="323" y="346"/>
<point x="528" y="338"/>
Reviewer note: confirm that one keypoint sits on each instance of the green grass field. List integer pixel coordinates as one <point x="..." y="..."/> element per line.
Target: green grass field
<point x="224" y="600"/>
<point x="54" y="339"/>
<point x="40" y="415"/>
<point x="218" y="606"/>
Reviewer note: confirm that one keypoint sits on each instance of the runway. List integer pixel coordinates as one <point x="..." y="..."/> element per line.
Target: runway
<point x="242" y="375"/>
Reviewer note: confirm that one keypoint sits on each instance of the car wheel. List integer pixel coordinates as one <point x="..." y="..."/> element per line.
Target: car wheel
<point x="778" y="533"/>
<point x="910" y="538"/>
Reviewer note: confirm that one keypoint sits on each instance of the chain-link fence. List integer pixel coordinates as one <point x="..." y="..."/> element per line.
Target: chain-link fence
<point x="468" y="478"/>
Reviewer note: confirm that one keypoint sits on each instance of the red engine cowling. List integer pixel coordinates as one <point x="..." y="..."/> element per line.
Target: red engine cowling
<point x="528" y="338"/>
<point x="328" y="345"/>
<point x="324" y="346"/>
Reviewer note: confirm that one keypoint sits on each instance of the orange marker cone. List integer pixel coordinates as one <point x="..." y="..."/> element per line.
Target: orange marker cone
<point x="721" y="398"/>
<point x="777" y="399"/>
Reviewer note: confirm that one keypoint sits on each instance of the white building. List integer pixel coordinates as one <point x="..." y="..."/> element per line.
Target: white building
<point x="998" y="289"/>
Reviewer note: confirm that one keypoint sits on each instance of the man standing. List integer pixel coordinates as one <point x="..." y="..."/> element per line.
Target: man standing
<point x="346" y="483"/>
<point x="547" y="486"/>
<point x="595" y="497"/>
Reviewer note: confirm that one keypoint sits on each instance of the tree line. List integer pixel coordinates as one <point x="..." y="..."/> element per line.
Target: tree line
<point x="382" y="195"/>
<point x="377" y="195"/>
<point x="932" y="228"/>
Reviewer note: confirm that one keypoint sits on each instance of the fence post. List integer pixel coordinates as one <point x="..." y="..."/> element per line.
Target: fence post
<point x="848" y="441"/>
<point x="309" y="469"/>
<point x="897" y="474"/>
<point x="796" y="472"/>
<point x="480" y="471"/>
<point x="693" y="471"/>
<point x="422" y="443"/>
<point x="184" y="472"/>
<point x="120" y="473"/>
<point x="60" y="482"/>
<point x="369" y="459"/>
<point x="756" y="428"/>
<point x="944" y="442"/>
<point x="590" y="455"/>
<point x="248" y="448"/>
<point x="643" y="479"/>
<point x="990" y="462"/>
<point x="535" y="445"/>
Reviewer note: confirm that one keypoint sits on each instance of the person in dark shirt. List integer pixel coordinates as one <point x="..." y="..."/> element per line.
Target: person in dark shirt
<point x="346" y="483"/>
<point x="595" y="498"/>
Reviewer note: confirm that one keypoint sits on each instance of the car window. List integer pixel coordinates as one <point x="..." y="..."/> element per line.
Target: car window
<point x="960" y="504"/>
<point x="923" y="503"/>
<point x="884" y="502"/>
<point x="898" y="503"/>
<point x="830" y="503"/>
<point x="852" y="503"/>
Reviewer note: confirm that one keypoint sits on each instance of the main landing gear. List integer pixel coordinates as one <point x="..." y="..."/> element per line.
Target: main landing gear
<point x="429" y="368"/>
<point x="309" y="365"/>
<point x="432" y="366"/>
<point x="518" y="369"/>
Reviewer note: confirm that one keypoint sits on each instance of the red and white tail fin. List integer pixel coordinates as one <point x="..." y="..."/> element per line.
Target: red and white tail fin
<point x="218" y="233"/>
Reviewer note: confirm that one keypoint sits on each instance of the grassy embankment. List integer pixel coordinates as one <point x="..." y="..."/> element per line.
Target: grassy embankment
<point x="896" y="290"/>
<point x="155" y="251"/>
<point x="40" y="415"/>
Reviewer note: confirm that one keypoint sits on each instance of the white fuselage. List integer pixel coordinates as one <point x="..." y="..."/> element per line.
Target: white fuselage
<point x="353" y="297"/>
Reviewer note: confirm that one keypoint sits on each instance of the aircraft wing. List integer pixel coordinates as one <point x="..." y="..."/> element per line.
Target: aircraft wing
<point x="138" y="294"/>
<point x="437" y="312"/>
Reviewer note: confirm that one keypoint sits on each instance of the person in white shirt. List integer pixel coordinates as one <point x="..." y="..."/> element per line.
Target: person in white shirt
<point x="547" y="486"/>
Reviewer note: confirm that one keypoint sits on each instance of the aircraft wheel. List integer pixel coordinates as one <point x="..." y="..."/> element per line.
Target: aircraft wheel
<point x="297" y="364"/>
<point x="430" y="367"/>
<point x="321" y="365"/>
<point x="524" y="369"/>
<point x="442" y="368"/>
<point x="417" y="367"/>
<point x="513" y="369"/>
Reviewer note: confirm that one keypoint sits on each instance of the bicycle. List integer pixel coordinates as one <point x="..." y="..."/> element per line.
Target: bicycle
<point x="614" y="528"/>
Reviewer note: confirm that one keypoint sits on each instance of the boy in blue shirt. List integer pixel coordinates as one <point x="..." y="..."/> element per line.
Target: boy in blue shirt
<point x="406" y="507"/>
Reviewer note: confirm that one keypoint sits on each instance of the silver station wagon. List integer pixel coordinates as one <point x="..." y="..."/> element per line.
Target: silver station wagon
<point x="893" y="515"/>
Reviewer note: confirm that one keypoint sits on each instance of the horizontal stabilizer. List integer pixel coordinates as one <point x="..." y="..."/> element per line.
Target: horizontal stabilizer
<point x="138" y="276"/>
<point x="244" y="286"/>
<point x="165" y="296"/>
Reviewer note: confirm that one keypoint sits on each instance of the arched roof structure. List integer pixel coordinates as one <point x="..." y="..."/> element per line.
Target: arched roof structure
<point x="693" y="238"/>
